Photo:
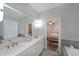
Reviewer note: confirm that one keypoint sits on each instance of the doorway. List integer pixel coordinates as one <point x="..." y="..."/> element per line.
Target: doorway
<point x="53" y="35"/>
<point x="30" y="29"/>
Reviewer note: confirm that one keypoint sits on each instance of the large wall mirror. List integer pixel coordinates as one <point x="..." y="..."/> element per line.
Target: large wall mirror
<point x="1" y="24"/>
<point x="16" y="24"/>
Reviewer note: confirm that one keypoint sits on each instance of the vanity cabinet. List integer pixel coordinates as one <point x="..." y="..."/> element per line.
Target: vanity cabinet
<point x="33" y="50"/>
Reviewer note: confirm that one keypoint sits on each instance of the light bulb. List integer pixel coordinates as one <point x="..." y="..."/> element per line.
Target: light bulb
<point x="50" y="23"/>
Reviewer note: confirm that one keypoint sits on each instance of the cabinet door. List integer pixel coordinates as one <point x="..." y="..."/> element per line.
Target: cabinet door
<point x="34" y="50"/>
<point x="25" y="53"/>
<point x="39" y="47"/>
<point x="29" y="52"/>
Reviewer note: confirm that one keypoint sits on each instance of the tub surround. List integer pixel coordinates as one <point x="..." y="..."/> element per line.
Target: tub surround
<point x="71" y="51"/>
<point x="66" y="45"/>
<point x="65" y="42"/>
<point x="20" y="47"/>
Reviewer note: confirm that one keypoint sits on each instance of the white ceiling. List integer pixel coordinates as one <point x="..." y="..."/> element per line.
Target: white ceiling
<point x="14" y="10"/>
<point x="21" y="10"/>
<point x="41" y="7"/>
<point x="12" y="13"/>
<point x="38" y="7"/>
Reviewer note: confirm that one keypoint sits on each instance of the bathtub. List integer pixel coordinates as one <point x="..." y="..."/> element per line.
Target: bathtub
<point x="71" y="51"/>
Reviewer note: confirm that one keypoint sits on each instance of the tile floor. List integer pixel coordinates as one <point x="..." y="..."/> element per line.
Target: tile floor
<point x="50" y="51"/>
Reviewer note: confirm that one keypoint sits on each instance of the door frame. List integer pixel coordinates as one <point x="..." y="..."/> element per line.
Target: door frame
<point x="59" y="36"/>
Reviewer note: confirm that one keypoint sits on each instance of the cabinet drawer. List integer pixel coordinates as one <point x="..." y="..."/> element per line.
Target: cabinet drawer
<point x="38" y="47"/>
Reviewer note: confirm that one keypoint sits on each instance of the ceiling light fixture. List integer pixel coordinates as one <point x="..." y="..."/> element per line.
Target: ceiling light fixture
<point x="38" y="23"/>
<point x="50" y="23"/>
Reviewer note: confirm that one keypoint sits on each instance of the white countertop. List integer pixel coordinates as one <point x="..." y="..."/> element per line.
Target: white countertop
<point x="19" y="48"/>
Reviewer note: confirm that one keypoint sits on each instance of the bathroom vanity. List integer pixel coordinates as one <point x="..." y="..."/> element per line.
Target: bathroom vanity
<point x="34" y="49"/>
<point x="30" y="48"/>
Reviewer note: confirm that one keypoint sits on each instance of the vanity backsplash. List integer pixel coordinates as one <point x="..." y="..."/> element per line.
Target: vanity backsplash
<point x="21" y="35"/>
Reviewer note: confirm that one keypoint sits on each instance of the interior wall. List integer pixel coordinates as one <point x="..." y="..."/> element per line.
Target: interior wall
<point x="38" y="30"/>
<point x="23" y="27"/>
<point x="69" y="15"/>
